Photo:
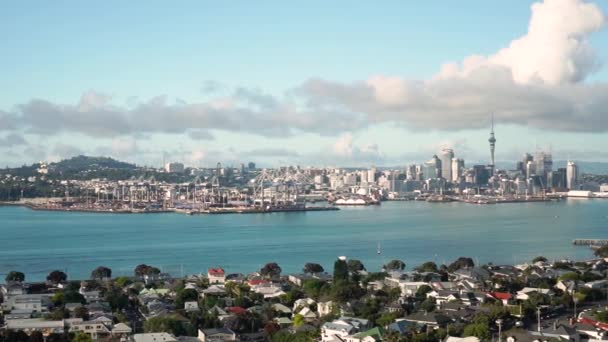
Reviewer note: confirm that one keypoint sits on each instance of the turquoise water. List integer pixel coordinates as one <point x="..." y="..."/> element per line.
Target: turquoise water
<point x="37" y="242"/>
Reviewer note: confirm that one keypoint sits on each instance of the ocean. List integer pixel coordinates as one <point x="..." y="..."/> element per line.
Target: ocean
<point x="37" y="242"/>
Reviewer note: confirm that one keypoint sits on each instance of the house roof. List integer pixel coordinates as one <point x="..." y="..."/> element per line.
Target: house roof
<point x="501" y="295"/>
<point x="216" y="272"/>
<point x="236" y="310"/>
<point x="121" y="328"/>
<point x="210" y="332"/>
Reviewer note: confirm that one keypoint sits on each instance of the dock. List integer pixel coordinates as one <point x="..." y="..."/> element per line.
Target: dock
<point x="590" y="242"/>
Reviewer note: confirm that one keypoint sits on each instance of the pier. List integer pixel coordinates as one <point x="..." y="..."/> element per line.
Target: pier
<point x="590" y="242"/>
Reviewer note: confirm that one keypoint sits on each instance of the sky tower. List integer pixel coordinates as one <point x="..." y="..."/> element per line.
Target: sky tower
<point x="492" y="141"/>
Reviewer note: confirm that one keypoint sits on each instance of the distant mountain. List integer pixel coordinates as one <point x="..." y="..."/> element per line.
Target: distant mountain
<point x="85" y="163"/>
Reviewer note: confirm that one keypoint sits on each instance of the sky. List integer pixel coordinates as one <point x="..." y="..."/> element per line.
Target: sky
<point x="311" y="83"/>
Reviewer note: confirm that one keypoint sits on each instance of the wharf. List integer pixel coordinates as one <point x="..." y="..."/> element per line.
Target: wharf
<point x="590" y="242"/>
<point x="257" y="210"/>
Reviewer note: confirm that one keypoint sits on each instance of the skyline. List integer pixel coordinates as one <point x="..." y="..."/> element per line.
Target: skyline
<point x="222" y="83"/>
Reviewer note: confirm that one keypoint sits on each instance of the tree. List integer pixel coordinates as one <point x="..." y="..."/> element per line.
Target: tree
<point x="314" y="288"/>
<point x="81" y="312"/>
<point x="57" y="277"/>
<point x="15" y="276"/>
<point x="428" y="266"/>
<point x="539" y="259"/>
<point x="71" y="296"/>
<point x="58" y="314"/>
<point x="428" y="305"/>
<point x="355" y="266"/>
<point x="602" y="252"/>
<point x="395" y="265"/>
<point x="422" y="291"/>
<point x="312" y="268"/>
<point x="478" y="330"/>
<point x="101" y="273"/>
<point x="36" y="336"/>
<point x="185" y="295"/>
<point x="82" y="337"/>
<point x="143" y="269"/>
<point x="271" y="270"/>
<point x="461" y="263"/>
<point x="298" y="320"/>
<point x="164" y="324"/>
<point x="122" y="281"/>
<point x="340" y="271"/>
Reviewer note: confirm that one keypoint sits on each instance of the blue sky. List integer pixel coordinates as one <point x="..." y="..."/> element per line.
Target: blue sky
<point x="134" y="51"/>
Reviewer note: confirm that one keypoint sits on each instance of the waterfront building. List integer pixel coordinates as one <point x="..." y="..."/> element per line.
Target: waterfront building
<point x="571" y="175"/>
<point x="446" y="156"/>
<point x="174" y="167"/>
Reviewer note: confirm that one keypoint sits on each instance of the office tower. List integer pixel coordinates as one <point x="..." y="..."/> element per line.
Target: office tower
<point x="457" y="167"/>
<point x="446" y="156"/>
<point x="571" y="175"/>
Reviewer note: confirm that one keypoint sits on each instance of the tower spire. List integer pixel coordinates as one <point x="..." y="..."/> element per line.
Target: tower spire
<point x="492" y="141"/>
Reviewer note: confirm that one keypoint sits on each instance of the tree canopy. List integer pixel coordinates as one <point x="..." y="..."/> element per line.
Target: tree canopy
<point x="602" y="252"/>
<point x="313" y="268"/>
<point x="143" y="269"/>
<point x="461" y="263"/>
<point x="271" y="270"/>
<point x="395" y="265"/>
<point x="355" y="265"/>
<point x="340" y="271"/>
<point x="101" y="273"/>
<point x="57" y="277"/>
<point x="15" y="276"/>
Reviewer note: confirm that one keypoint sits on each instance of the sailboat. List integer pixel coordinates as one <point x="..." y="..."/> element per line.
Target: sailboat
<point x="379" y="251"/>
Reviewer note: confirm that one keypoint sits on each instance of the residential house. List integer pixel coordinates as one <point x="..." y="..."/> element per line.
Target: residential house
<point x="307" y="313"/>
<point x="216" y="275"/>
<point x="524" y="294"/>
<point x="221" y="334"/>
<point x="96" y="330"/>
<point x="191" y="306"/>
<point x="36" y="324"/>
<point x="154" y="337"/>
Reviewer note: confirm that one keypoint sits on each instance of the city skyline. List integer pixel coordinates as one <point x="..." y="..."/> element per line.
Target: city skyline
<point x="220" y="86"/>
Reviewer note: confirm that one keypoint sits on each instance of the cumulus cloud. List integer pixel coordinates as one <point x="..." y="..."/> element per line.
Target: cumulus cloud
<point x="536" y="80"/>
<point x="346" y="149"/>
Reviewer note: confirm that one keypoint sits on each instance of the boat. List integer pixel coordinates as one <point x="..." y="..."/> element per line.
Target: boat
<point x="379" y="251"/>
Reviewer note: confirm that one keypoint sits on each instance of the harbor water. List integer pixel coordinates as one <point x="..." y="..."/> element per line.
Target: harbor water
<point x="37" y="242"/>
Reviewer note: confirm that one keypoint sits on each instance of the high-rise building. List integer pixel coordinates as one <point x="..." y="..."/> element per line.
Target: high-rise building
<point x="457" y="167"/>
<point x="492" y="141"/>
<point x="446" y="156"/>
<point x="251" y="166"/>
<point x="174" y="167"/>
<point x="571" y="175"/>
<point x="432" y="168"/>
<point x="544" y="164"/>
<point x="371" y="175"/>
<point x="524" y="162"/>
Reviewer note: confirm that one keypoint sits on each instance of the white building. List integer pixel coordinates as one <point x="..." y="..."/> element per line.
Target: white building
<point x="571" y="175"/>
<point x="174" y="167"/>
<point x="221" y="334"/>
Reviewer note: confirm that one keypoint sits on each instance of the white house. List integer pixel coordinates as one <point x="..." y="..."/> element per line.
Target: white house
<point x="221" y="334"/>
<point x="216" y="275"/>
